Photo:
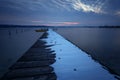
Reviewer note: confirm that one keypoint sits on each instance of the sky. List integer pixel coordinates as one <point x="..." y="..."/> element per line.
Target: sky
<point x="60" y="12"/>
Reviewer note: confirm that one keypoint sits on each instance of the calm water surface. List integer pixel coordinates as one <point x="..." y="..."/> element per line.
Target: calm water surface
<point x="102" y="43"/>
<point x="74" y="64"/>
<point x="14" y="42"/>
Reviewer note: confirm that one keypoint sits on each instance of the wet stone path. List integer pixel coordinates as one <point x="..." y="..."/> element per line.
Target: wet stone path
<point x="34" y="64"/>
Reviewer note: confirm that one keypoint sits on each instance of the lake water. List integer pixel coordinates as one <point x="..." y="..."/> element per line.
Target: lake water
<point x="103" y="44"/>
<point x="74" y="64"/>
<point x="14" y="42"/>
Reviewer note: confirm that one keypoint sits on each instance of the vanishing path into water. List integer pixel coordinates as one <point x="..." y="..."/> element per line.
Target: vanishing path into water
<point x="74" y="64"/>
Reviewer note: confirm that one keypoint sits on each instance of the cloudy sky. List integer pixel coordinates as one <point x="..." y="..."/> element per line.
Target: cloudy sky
<point x="60" y="12"/>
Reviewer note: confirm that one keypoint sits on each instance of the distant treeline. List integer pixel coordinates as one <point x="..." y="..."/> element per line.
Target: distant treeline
<point x="43" y="26"/>
<point x="85" y="26"/>
<point x="23" y="26"/>
<point x="109" y="26"/>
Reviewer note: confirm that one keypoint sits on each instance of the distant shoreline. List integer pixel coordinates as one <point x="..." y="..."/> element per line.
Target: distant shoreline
<point x="44" y="26"/>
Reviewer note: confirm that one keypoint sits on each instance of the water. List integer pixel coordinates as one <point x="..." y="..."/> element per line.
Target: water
<point x="14" y="42"/>
<point x="102" y="43"/>
<point x="74" y="64"/>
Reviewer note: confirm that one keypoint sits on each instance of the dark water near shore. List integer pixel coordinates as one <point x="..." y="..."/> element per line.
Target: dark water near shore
<point x="14" y="42"/>
<point x="102" y="43"/>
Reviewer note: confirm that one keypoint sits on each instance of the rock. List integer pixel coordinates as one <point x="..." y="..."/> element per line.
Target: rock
<point x="75" y="69"/>
<point x="59" y="58"/>
<point x="31" y="64"/>
<point x="28" y="72"/>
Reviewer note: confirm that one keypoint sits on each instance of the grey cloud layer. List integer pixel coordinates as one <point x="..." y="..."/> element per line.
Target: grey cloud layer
<point x="79" y="5"/>
<point x="95" y="6"/>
